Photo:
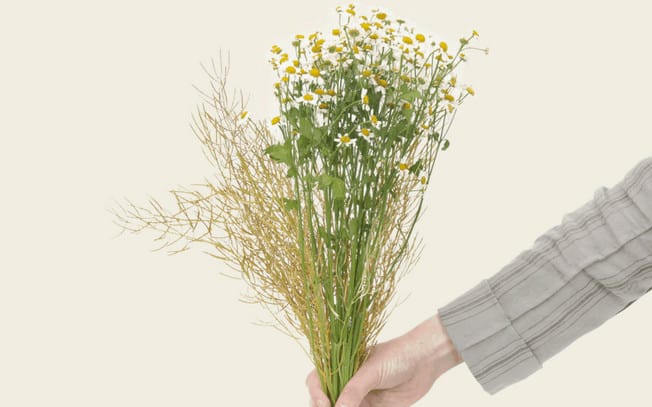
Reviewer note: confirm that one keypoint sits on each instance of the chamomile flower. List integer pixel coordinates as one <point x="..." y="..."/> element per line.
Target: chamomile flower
<point x="365" y="133"/>
<point x="310" y="99"/>
<point x="345" y="139"/>
<point x="364" y="98"/>
<point x="375" y="122"/>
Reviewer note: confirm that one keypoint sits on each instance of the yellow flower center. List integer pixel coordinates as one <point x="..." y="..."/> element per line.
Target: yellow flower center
<point x="420" y="37"/>
<point x="381" y="16"/>
<point x="308" y="97"/>
<point x="402" y="166"/>
<point x="443" y="46"/>
<point x="290" y="69"/>
<point x="314" y="72"/>
<point x="276" y="120"/>
<point x="345" y="138"/>
<point x="407" y="40"/>
<point x="365" y="131"/>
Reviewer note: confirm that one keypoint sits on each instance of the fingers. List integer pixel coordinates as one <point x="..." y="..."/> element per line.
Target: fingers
<point x="317" y="396"/>
<point x="364" y="380"/>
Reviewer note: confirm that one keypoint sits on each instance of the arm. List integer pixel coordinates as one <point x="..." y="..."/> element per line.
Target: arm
<point x="576" y="276"/>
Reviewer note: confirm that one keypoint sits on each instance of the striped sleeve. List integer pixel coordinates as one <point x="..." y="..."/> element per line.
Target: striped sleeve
<point x="576" y="276"/>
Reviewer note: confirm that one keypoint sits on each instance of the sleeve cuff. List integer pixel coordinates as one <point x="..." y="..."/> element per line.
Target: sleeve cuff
<point x="486" y="339"/>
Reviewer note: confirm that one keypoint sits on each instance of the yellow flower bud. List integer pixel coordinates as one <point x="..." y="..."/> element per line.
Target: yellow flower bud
<point x="276" y="120"/>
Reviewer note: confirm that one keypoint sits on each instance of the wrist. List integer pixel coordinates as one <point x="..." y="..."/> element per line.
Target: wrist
<point x="435" y="344"/>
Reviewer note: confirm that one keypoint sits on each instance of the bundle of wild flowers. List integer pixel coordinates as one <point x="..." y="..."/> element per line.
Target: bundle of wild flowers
<point x="319" y="209"/>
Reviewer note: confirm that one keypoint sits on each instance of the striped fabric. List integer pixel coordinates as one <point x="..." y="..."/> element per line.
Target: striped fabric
<point x="576" y="276"/>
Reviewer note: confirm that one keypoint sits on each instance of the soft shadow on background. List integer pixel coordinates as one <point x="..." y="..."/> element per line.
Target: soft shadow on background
<point x="96" y="104"/>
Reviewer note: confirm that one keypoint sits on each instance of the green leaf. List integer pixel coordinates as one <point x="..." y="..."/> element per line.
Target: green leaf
<point x="305" y="128"/>
<point x="292" y="172"/>
<point x="338" y="188"/>
<point x="411" y="95"/>
<point x="303" y="145"/>
<point x="336" y="184"/>
<point x="291" y="204"/>
<point x="280" y="152"/>
<point x="446" y="144"/>
<point x="416" y="167"/>
<point x="324" y="180"/>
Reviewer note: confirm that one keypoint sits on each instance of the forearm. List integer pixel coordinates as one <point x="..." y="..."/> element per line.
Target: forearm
<point x="576" y="276"/>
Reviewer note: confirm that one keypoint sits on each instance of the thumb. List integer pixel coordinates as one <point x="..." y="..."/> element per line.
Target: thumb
<point x="362" y="382"/>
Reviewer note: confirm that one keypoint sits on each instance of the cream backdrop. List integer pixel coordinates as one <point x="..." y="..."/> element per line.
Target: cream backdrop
<point x="96" y="101"/>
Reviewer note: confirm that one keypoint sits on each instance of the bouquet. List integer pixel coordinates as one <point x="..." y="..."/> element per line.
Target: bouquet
<point x="317" y="207"/>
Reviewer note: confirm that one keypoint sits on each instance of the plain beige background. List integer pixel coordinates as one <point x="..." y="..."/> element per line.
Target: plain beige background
<point x="95" y="105"/>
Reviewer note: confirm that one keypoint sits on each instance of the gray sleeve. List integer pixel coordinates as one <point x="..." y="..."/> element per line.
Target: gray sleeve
<point x="576" y="276"/>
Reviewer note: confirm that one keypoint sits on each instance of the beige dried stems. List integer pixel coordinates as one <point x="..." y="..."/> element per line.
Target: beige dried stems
<point x="241" y="215"/>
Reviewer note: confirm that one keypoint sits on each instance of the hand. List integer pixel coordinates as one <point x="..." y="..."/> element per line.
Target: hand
<point x="397" y="373"/>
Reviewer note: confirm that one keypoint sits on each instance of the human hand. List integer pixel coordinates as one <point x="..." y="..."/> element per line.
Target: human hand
<point x="398" y="372"/>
